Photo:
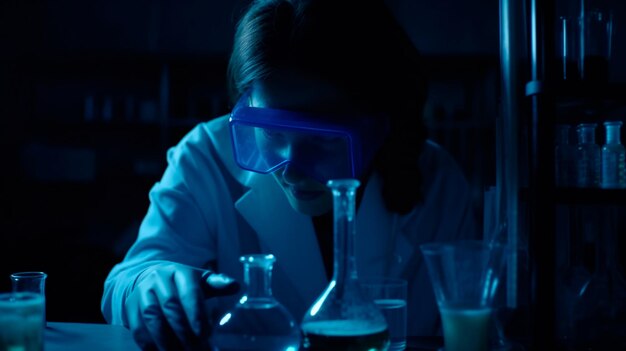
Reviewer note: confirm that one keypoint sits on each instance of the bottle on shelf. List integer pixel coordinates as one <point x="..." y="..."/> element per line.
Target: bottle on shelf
<point x="565" y="158"/>
<point x="588" y="156"/>
<point x="258" y="321"/>
<point x="596" y="39"/>
<point x="613" y="157"/>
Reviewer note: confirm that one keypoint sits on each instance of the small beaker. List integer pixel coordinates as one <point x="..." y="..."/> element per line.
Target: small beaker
<point x="258" y="321"/>
<point x="389" y="294"/>
<point x="34" y="282"/>
<point x="464" y="275"/>
<point x="343" y="317"/>
<point x="21" y="317"/>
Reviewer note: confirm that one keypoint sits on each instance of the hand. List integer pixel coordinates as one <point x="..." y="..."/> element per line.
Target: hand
<point x="165" y="309"/>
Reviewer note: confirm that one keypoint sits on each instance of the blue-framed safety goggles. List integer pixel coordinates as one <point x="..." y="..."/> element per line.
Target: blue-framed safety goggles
<point x="320" y="146"/>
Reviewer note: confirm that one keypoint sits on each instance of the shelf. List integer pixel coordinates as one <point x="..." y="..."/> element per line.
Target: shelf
<point x="579" y="102"/>
<point x="590" y="196"/>
<point x="584" y="196"/>
<point x="587" y="91"/>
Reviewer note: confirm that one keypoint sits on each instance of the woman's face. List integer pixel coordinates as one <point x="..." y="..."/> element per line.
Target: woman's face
<point x="296" y="92"/>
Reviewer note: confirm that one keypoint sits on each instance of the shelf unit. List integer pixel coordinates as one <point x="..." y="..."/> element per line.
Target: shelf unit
<point x="547" y="101"/>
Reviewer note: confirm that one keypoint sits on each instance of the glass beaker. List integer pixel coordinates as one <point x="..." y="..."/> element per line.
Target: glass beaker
<point x="34" y="282"/>
<point x="389" y="294"/>
<point x="343" y="317"/>
<point x="258" y="321"/>
<point x="465" y="276"/>
<point x="21" y="317"/>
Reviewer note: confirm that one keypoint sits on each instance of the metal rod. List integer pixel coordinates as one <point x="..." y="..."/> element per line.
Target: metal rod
<point x="542" y="235"/>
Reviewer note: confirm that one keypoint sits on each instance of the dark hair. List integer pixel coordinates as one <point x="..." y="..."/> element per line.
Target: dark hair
<point x="356" y="45"/>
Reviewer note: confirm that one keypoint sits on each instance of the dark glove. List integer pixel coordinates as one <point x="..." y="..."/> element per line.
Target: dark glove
<point x="165" y="309"/>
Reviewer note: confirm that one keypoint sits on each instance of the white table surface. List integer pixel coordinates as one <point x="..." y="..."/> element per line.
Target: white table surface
<point x="87" y="337"/>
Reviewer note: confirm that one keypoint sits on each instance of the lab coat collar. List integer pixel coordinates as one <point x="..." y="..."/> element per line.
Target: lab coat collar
<point x="285" y="233"/>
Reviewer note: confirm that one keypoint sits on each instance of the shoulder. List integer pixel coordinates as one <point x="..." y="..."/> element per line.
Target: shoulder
<point x="434" y="156"/>
<point x="204" y="132"/>
<point x="435" y="160"/>
<point x="199" y="141"/>
<point x="447" y="210"/>
<point x="210" y="143"/>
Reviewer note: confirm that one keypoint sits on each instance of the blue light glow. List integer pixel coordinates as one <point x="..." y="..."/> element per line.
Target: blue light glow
<point x="320" y="301"/>
<point x="225" y="319"/>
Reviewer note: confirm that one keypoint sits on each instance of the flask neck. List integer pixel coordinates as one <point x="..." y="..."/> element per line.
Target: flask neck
<point x="612" y="135"/>
<point x="586" y="135"/>
<point x="258" y="280"/>
<point x="344" y="268"/>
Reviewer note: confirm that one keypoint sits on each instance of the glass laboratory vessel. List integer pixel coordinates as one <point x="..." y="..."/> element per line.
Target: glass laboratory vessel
<point x="588" y="156"/>
<point x="599" y="311"/>
<point x="258" y="321"/>
<point x="613" y="157"/>
<point x="565" y="158"/>
<point x="343" y="317"/>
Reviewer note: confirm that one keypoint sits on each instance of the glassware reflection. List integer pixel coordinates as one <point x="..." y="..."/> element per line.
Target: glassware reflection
<point x="258" y="322"/>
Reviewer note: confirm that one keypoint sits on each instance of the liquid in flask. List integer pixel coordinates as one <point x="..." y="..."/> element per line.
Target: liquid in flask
<point x="343" y="317"/>
<point x="258" y="321"/>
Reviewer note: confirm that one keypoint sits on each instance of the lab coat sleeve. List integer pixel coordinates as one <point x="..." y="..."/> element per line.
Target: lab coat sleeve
<point x="179" y="225"/>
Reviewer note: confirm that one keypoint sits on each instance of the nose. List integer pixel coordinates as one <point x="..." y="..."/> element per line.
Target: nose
<point x="298" y="149"/>
<point x="292" y="176"/>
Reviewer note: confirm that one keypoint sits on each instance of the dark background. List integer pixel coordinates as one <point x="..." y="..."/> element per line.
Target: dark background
<point x="93" y="93"/>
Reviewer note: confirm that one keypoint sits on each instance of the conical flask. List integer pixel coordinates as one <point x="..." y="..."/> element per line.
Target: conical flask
<point x="258" y="321"/>
<point x="343" y="318"/>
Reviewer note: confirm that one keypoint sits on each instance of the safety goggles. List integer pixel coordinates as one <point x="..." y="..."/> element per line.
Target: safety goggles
<point x="265" y="140"/>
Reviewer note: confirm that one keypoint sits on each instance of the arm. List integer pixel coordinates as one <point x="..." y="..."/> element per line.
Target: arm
<point x="173" y="253"/>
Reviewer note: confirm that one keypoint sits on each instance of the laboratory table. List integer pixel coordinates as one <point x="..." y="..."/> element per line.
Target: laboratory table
<point x="104" y="337"/>
<point x="88" y="337"/>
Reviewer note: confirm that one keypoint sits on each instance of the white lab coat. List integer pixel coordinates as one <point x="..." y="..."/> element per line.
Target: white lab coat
<point x="207" y="211"/>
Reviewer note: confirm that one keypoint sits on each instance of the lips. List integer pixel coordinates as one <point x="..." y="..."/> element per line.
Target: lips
<point x="306" y="194"/>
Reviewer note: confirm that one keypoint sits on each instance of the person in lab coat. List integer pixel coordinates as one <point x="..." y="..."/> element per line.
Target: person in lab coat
<point x="321" y="89"/>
